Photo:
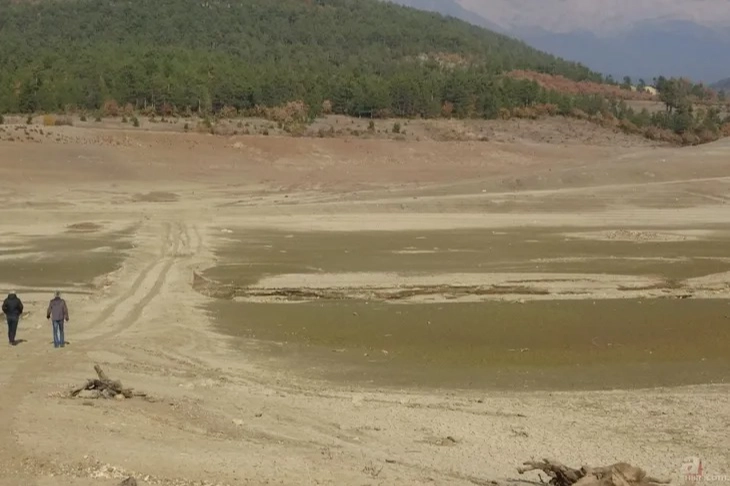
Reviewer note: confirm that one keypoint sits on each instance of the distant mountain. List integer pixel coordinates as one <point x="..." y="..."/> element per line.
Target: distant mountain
<point x="642" y="39"/>
<point x="722" y="85"/>
<point x="646" y="50"/>
<point x="604" y="18"/>
<point x="451" y="8"/>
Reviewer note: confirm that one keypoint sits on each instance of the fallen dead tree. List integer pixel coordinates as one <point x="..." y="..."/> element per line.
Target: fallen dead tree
<point x="619" y="474"/>
<point x="103" y="387"/>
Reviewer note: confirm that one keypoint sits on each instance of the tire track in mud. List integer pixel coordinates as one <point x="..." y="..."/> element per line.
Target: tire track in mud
<point x="32" y="364"/>
<point x="109" y="310"/>
<point x="199" y="246"/>
<point x="150" y="276"/>
<point x="398" y="196"/>
<point x="184" y="240"/>
<point x="173" y="240"/>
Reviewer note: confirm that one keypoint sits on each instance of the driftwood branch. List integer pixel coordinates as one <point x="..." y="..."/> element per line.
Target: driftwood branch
<point x="100" y="373"/>
<point x="104" y="387"/>
<point x="560" y="474"/>
<point x="619" y="474"/>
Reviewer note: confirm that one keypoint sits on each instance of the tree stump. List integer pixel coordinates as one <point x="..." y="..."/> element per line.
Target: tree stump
<point x="618" y="474"/>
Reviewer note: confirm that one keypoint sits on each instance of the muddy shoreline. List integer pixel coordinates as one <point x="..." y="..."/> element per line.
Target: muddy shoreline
<point x="322" y="392"/>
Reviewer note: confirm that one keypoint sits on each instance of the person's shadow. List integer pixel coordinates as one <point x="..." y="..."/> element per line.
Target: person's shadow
<point x="19" y="341"/>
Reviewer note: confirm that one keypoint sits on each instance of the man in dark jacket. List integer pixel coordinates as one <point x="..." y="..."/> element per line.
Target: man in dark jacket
<point x="58" y="314"/>
<point x="13" y="309"/>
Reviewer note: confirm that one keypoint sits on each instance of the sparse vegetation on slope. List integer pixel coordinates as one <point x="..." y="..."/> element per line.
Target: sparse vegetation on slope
<point x="692" y="113"/>
<point x="584" y="87"/>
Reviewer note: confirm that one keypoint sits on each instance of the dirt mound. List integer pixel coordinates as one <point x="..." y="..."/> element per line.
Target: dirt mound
<point x="86" y="227"/>
<point x="474" y="287"/>
<point x="638" y="236"/>
<point x="156" y="196"/>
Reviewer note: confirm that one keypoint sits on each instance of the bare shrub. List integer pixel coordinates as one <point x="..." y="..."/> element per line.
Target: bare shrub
<point x="166" y="109"/>
<point x="660" y="135"/>
<point x="579" y="114"/>
<point x="326" y="133"/>
<point x="383" y="113"/>
<point x="628" y="127"/>
<point x="546" y="109"/>
<point x="689" y="138"/>
<point x="447" y="109"/>
<point x="205" y="126"/>
<point x="110" y="108"/>
<point x="148" y="110"/>
<point x="609" y="121"/>
<point x="64" y="121"/>
<point x="295" y="129"/>
<point x="706" y="136"/>
<point x="291" y="113"/>
<point x="725" y="129"/>
<point x="228" y="112"/>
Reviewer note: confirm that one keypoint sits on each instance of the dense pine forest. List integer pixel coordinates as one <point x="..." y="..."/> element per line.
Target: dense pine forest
<point x="354" y="57"/>
<point x="364" y="55"/>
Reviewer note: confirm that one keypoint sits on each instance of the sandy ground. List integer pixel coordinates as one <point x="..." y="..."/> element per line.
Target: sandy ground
<point x="217" y="417"/>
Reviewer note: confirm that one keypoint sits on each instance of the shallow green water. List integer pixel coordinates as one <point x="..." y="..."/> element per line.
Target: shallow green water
<point x="547" y="344"/>
<point x="249" y="256"/>
<point x="64" y="260"/>
<point x="557" y="344"/>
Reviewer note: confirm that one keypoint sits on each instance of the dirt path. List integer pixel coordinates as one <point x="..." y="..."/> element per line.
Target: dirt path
<point x="131" y="293"/>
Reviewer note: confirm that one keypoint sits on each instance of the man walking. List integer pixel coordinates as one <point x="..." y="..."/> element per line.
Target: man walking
<point x="13" y="309"/>
<point x="58" y="314"/>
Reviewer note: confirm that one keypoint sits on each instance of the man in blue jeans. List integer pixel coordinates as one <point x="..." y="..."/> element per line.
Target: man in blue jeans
<point x="58" y="314"/>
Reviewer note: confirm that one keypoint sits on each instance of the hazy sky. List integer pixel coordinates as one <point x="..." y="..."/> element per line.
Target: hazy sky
<point x="598" y="15"/>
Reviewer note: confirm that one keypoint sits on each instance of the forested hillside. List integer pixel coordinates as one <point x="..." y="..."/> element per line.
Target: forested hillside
<point x="363" y="55"/>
